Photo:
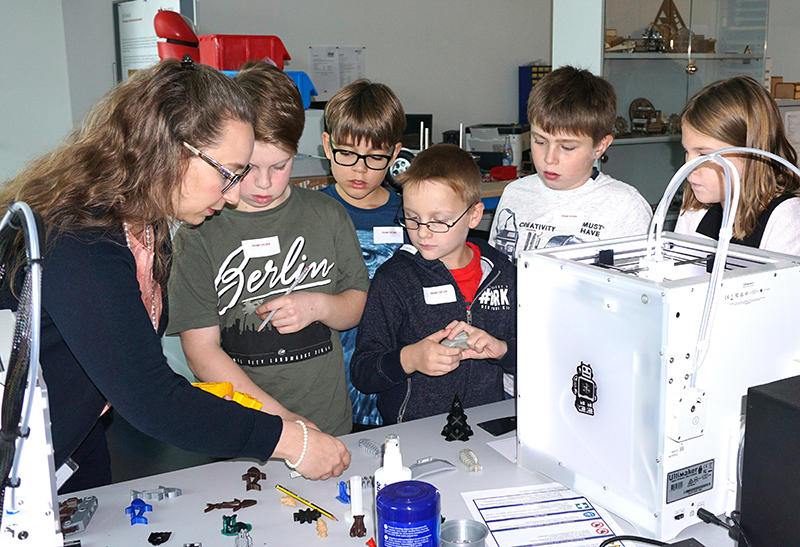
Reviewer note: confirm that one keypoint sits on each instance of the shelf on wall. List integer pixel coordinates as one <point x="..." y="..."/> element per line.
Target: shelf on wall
<point x="655" y="55"/>
<point x="645" y="139"/>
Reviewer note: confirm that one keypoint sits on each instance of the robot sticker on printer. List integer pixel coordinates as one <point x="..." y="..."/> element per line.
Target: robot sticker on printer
<point x="585" y="389"/>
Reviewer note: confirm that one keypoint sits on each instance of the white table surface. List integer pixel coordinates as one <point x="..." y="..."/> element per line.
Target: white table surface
<point x="273" y="523"/>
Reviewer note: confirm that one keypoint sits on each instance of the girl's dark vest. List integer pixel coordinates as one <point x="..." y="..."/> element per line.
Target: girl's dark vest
<point x="712" y="222"/>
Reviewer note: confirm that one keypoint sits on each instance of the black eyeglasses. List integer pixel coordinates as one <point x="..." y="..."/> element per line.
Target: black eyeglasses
<point x="435" y="226"/>
<point x="233" y="178"/>
<point x="348" y="158"/>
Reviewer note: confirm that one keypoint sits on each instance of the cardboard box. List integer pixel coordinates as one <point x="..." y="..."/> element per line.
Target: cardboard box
<point x="774" y="80"/>
<point x="787" y="90"/>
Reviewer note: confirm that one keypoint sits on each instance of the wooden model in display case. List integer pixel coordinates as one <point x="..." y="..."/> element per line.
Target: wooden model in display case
<point x="646" y="119"/>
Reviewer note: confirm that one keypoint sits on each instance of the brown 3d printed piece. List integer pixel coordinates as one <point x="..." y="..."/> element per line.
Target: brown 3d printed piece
<point x="358" y="530"/>
<point x="252" y="477"/>
<point x="234" y="505"/>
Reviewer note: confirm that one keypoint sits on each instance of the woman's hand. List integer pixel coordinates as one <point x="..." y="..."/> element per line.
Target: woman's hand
<point x="325" y="456"/>
<point x="291" y="416"/>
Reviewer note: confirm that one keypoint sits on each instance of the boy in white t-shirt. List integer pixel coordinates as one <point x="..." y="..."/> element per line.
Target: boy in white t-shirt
<point x="567" y="201"/>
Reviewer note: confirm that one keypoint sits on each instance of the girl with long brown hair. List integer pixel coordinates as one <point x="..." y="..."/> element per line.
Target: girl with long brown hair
<point x="739" y="112"/>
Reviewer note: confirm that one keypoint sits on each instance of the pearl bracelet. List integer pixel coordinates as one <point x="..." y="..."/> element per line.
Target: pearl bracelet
<point x="305" y="446"/>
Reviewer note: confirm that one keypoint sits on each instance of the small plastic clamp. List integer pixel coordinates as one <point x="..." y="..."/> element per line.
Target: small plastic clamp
<point x="232" y="528"/>
<point x="322" y="528"/>
<point x="158" y="494"/>
<point x="370" y="447"/>
<point x="429" y="466"/>
<point x="251" y="478"/>
<point x="243" y="539"/>
<point x="220" y="389"/>
<point x="343" y="496"/>
<point x="136" y="510"/>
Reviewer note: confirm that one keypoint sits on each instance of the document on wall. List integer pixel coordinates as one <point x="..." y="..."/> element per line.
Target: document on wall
<point x="137" y="41"/>
<point x="333" y="67"/>
<point x="792" y="124"/>
<point x="540" y="515"/>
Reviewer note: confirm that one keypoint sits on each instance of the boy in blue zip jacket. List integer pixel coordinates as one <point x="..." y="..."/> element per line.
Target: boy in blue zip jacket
<point x="435" y="288"/>
<point x="364" y="122"/>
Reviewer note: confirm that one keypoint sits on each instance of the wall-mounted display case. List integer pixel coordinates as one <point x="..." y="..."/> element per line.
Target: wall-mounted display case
<point x="665" y="51"/>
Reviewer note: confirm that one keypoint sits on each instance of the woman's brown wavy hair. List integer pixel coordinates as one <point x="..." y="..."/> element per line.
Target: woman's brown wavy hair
<point x="740" y="112"/>
<point x="126" y="161"/>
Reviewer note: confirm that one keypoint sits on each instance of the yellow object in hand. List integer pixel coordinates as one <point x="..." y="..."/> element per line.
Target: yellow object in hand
<point x="225" y="389"/>
<point x="220" y="389"/>
<point x="245" y="399"/>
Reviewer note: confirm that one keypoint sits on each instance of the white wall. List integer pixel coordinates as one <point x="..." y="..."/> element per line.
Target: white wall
<point x="89" y="34"/>
<point x="456" y="59"/>
<point x="35" y="108"/>
<point x="783" y="39"/>
<point x="581" y="45"/>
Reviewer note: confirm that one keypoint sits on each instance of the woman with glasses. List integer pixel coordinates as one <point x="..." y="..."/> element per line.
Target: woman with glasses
<point x="171" y="143"/>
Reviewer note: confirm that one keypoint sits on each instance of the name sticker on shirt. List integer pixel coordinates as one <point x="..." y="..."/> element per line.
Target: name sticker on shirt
<point x="442" y="294"/>
<point x="387" y="234"/>
<point x="571" y="220"/>
<point x="259" y="248"/>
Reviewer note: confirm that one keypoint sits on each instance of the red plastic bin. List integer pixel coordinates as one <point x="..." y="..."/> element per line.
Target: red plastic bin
<point x="230" y="51"/>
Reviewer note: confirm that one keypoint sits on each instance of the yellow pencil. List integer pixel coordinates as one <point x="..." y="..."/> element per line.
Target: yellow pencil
<point x="301" y="500"/>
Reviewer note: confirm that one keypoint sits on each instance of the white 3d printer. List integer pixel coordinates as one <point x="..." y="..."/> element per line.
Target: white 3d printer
<point x="625" y="392"/>
<point x="28" y="504"/>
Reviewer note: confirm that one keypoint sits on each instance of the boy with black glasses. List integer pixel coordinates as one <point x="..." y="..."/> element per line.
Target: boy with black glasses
<point x="432" y="290"/>
<point x="364" y="122"/>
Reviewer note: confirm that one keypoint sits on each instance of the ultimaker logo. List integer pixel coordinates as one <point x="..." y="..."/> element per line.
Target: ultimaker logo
<point x="495" y="298"/>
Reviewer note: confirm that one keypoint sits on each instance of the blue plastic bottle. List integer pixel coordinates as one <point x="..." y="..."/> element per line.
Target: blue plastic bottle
<point x="408" y="515"/>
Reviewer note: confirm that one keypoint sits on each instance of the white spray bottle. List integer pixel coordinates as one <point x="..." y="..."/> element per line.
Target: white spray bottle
<point x="393" y="469"/>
